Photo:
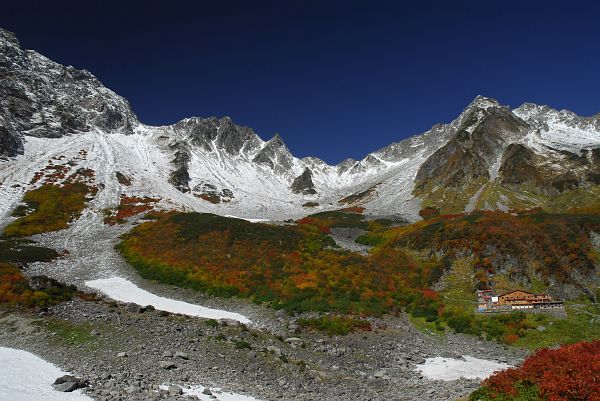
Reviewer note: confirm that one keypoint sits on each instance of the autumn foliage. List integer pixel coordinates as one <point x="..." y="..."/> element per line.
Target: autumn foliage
<point x="53" y="205"/>
<point x="570" y="373"/>
<point x="558" y="243"/>
<point x="291" y="267"/>
<point x="15" y="290"/>
<point x="129" y="206"/>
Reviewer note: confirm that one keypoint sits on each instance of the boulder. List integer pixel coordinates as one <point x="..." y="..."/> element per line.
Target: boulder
<point x="180" y="354"/>
<point x="167" y="365"/>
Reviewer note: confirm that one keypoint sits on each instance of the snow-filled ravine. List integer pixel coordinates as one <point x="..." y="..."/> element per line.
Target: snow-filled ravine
<point x="124" y="290"/>
<point x="449" y="369"/>
<point x="25" y="377"/>
<point x="217" y="394"/>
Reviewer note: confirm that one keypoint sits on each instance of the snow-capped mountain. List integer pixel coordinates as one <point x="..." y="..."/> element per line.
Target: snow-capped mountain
<point x="488" y="157"/>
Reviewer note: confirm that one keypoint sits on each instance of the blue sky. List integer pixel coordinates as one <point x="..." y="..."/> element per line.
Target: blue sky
<point x="336" y="79"/>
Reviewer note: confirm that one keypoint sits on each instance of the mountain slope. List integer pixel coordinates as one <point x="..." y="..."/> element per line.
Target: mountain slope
<point x="489" y="157"/>
<point x="501" y="158"/>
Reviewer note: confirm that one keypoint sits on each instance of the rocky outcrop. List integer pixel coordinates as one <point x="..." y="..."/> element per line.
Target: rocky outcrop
<point x="211" y="193"/>
<point x="180" y="176"/>
<point x="519" y="166"/>
<point x="39" y="97"/>
<point x="10" y="143"/>
<point x="69" y="383"/>
<point x="303" y="184"/>
<point x="550" y="174"/>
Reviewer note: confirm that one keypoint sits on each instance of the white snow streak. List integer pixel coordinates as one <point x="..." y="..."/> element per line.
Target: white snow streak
<point x="124" y="290"/>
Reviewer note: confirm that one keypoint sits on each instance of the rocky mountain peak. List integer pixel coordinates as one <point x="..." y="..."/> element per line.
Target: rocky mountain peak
<point x="8" y="38"/>
<point x="276" y="141"/>
<point x="275" y="154"/>
<point x="483" y="102"/>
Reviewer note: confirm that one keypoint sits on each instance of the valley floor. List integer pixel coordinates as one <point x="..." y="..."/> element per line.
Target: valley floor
<point x="121" y="350"/>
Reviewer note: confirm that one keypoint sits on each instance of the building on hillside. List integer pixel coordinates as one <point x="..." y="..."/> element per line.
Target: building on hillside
<point x="487" y="301"/>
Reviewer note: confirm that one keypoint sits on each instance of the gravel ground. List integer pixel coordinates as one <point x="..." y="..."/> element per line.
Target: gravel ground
<point x="267" y="364"/>
<point x="345" y="237"/>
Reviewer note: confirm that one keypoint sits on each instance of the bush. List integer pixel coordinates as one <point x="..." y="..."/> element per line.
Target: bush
<point x="242" y="345"/>
<point x="54" y="207"/>
<point x="570" y="373"/>
<point x="16" y="291"/>
<point x="336" y="325"/>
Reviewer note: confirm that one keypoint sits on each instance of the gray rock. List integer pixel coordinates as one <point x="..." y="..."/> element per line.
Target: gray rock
<point x="294" y="341"/>
<point x="167" y="365"/>
<point x="180" y="354"/>
<point x="275" y="350"/>
<point x="67" y="387"/>
<point x="175" y="390"/>
<point x="379" y="374"/>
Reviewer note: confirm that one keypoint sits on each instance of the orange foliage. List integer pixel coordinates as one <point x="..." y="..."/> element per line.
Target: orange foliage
<point x="560" y="241"/>
<point x="130" y="206"/>
<point x="15" y="290"/>
<point x="510" y="338"/>
<point x="214" y="199"/>
<point x="289" y="265"/>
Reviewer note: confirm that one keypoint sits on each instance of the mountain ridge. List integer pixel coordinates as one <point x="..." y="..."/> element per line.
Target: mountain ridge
<point x="45" y="100"/>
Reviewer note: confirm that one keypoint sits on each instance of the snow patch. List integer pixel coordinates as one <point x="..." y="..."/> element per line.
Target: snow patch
<point x="25" y="377"/>
<point x="448" y="369"/>
<point x="124" y="290"/>
<point x="247" y="219"/>
<point x="218" y="394"/>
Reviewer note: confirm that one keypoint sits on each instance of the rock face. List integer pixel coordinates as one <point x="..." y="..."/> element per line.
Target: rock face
<point x="303" y="183"/>
<point x="522" y="166"/>
<point x="180" y="176"/>
<point x="41" y="98"/>
<point x="496" y="153"/>
<point x="275" y="155"/>
<point x="485" y="130"/>
<point x="10" y="143"/>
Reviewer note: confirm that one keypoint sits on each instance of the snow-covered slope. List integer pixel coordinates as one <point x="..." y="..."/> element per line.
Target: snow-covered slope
<point x="211" y="164"/>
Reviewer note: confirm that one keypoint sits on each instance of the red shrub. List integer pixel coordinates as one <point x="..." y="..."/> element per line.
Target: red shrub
<point x="570" y="373"/>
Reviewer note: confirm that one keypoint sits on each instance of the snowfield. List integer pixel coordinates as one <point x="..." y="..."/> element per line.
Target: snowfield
<point x="124" y="290"/>
<point x="448" y="369"/>
<point x="25" y="377"/>
<point x="218" y="394"/>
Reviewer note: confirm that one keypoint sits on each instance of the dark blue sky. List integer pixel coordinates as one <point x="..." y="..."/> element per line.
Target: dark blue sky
<point x="336" y="79"/>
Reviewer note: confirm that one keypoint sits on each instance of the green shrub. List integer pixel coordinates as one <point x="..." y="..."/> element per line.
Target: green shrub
<point x="240" y="344"/>
<point x="336" y="325"/>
